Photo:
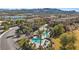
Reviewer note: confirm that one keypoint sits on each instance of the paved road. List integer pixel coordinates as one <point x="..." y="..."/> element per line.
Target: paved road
<point x="7" y="41"/>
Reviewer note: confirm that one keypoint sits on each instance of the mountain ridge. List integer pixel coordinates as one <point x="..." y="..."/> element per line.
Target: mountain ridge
<point x="35" y="11"/>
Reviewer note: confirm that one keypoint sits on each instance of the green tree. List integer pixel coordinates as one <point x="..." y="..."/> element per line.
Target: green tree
<point x="58" y="30"/>
<point x="49" y="47"/>
<point x="19" y="22"/>
<point x="67" y="41"/>
<point x="25" y="44"/>
<point x="6" y="26"/>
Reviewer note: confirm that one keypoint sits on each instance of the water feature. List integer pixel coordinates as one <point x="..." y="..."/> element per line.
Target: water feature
<point x="36" y="39"/>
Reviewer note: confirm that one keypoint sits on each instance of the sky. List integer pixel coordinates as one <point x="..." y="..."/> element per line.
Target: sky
<point x="29" y="4"/>
<point x="68" y="9"/>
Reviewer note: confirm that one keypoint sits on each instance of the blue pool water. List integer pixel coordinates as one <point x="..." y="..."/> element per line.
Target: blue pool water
<point x="36" y="40"/>
<point x="46" y="34"/>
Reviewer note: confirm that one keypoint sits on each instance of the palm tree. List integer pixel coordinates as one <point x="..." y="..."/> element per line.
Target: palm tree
<point x="40" y="32"/>
<point x="25" y="44"/>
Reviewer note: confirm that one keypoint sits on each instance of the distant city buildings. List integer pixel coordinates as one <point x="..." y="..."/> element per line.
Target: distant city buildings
<point x="13" y="17"/>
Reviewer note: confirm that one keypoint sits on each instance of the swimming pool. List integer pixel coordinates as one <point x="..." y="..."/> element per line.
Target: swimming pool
<point x="46" y="34"/>
<point x="36" y="40"/>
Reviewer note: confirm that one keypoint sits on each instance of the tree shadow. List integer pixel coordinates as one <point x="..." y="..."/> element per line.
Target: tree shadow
<point x="10" y="36"/>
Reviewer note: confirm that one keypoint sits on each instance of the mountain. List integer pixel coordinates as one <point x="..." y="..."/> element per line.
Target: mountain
<point x="38" y="11"/>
